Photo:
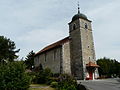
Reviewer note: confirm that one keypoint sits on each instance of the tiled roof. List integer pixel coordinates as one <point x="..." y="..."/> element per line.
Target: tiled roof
<point x="91" y="64"/>
<point x="58" y="43"/>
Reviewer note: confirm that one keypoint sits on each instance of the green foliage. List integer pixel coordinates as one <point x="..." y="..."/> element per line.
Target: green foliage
<point x="13" y="76"/>
<point x="43" y="76"/>
<point x="32" y="76"/>
<point x="63" y="82"/>
<point x="67" y="82"/>
<point x="7" y="49"/>
<point x="29" y="60"/>
<point x="108" y="67"/>
<point x="54" y="84"/>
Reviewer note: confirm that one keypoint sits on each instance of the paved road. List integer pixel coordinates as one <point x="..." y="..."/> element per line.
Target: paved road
<point x="106" y="84"/>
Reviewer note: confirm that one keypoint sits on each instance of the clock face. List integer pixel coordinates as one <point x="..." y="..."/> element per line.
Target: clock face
<point x="86" y="27"/>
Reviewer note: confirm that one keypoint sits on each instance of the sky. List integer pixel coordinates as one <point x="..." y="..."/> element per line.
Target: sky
<point x="34" y="24"/>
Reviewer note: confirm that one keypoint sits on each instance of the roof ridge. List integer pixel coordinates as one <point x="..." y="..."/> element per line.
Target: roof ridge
<point x="53" y="45"/>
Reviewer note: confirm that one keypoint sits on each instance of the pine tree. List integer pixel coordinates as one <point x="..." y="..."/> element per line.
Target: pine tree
<point x="7" y="50"/>
<point x="29" y="60"/>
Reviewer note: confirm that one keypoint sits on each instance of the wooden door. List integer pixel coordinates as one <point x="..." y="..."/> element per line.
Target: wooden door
<point x="90" y="75"/>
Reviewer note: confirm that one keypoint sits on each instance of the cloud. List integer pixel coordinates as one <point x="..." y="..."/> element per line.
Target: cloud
<point x="106" y="29"/>
<point x="43" y="36"/>
<point x="38" y="39"/>
<point x="33" y="24"/>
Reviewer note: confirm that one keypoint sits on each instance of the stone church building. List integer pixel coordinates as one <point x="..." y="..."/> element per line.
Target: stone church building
<point x="75" y="54"/>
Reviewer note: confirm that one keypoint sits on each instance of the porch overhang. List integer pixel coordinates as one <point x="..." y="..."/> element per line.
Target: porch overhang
<point x="91" y="64"/>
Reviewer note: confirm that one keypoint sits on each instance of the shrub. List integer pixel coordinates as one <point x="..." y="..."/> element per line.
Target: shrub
<point x="43" y="76"/>
<point x="13" y="76"/>
<point x="54" y="84"/>
<point x="67" y="82"/>
<point x="56" y="74"/>
<point x="32" y="76"/>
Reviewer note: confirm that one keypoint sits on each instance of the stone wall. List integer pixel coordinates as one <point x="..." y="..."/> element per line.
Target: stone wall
<point x="81" y="46"/>
<point x="66" y="58"/>
<point x="88" y="51"/>
<point x="76" y="50"/>
<point x="50" y="59"/>
<point x="87" y="42"/>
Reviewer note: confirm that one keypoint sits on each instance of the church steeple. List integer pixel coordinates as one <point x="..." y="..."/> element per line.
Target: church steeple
<point x="79" y="15"/>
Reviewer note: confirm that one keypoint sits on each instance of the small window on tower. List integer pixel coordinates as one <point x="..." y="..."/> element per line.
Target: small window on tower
<point x="74" y="27"/>
<point x="89" y="58"/>
<point x="86" y="27"/>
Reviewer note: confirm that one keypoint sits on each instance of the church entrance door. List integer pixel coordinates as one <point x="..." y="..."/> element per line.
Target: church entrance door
<point x="91" y="67"/>
<point x="90" y="75"/>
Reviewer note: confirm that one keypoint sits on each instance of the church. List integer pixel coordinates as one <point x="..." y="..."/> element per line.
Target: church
<point x="73" y="55"/>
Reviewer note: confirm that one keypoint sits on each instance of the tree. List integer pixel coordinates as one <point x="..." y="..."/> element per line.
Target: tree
<point x="7" y="50"/>
<point x="108" y="67"/>
<point x="13" y="76"/>
<point x="43" y="76"/>
<point x="29" y="60"/>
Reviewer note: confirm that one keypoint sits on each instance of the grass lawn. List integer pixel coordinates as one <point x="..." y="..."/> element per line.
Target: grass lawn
<point x="40" y="87"/>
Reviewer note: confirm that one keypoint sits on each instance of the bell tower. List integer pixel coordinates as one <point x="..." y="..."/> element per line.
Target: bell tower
<point x="81" y="45"/>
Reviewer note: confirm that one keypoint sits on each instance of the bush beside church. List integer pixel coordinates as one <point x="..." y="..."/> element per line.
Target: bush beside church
<point x="13" y="76"/>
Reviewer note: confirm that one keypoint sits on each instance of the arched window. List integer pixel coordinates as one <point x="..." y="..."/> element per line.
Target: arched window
<point x="74" y="27"/>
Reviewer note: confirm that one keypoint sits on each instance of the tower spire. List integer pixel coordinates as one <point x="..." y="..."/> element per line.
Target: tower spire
<point x="78" y="8"/>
